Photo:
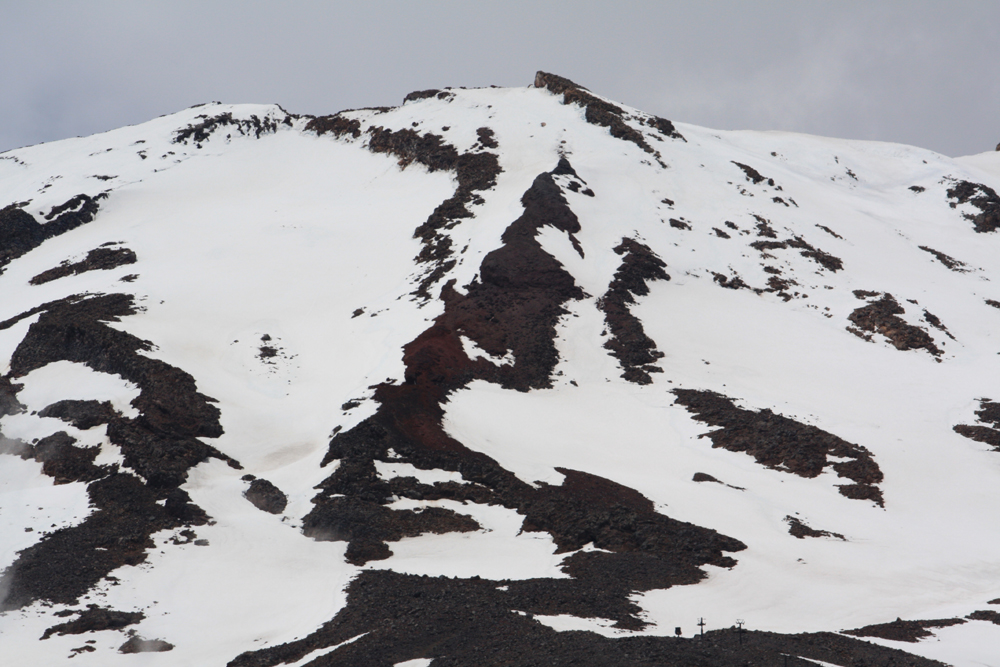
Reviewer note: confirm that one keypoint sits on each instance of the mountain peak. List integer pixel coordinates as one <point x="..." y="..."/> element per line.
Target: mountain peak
<point x="520" y="371"/>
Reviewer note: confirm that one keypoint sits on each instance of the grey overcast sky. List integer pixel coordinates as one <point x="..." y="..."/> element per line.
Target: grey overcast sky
<point x="917" y="71"/>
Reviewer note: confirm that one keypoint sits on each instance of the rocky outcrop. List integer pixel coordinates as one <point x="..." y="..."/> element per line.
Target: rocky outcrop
<point x="628" y="342"/>
<point x="20" y="233"/>
<point x="99" y="259"/>
<point x="784" y="444"/>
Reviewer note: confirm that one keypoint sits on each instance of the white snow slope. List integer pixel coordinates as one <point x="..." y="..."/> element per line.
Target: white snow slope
<point x="279" y="271"/>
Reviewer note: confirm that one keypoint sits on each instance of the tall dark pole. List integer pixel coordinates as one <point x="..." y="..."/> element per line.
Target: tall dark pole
<point x="739" y="625"/>
<point x="701" y="623"/>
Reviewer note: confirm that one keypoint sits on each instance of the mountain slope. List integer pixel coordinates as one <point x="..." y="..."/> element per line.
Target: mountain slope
<point x="456" y="380"/>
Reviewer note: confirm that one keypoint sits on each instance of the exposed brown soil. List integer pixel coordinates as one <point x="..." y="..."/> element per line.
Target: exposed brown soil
<point x="784" y="444"/>
<point x="459" y="621"/>
<point x="628" y="342"/>
<point x="882" y="317"/>
<point x="679" y="224"/>
<point x="800" y="530"/>
<point x="161" y="445"/>
<point x="950" y="262"/>
<point x="94" y="619"/>
<point x="20" y="233"/>
<point x="266" y="497"/>
<point x="988" y="430"/>
<point x="982" y="197"/>
<point x="605" y="114"/>
<point x="99" y="259"/>
<point x="904" y="631"/>
<point x="991" y="302"/>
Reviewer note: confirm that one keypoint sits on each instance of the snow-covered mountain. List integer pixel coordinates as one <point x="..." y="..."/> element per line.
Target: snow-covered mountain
<point x="496" y="377"/>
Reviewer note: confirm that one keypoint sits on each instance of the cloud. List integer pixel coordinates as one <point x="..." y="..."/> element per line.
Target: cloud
<point x="918" y="72"/>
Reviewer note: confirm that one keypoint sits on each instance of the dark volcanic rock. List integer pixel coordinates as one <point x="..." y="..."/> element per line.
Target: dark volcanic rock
<point x="68" y="562"/>
<point x="950" y="262"/>
<point x="605" y="114"/>
<point x="93" y="619"/>
<point x="487" y="138"/>
<point x="904" y="631"/>
<point x="337" y="125"/>
<point x="137" y="644"/>
<point x="420" y="95"/>
<point x="982" y="197"/>
<point x="988" y="431"/>
<point x="81" y="414"/>
<point x="65" y="462"/>
<point x="9" y="405"/>
<point x="513" y="308"/>
<point x="784" y="444"/>
<point x="209" y="125"/>
<point x="985" y="434"/>
<point x="628" y="341"/>
<point x="806" y="249"/>
<point x="753" y="175"/>
<point x="161" y="445"/>
<point x="800" y="530"/>
<point x="393" y="617"/>
<point x="20" y="233"/>
<point x="882" y="317"/>
<point x="366" y="525"/>
<point x="99" y="259"/>
<point x="266" y="496"/>
<point x="985" y="615"/>
<point x="475" y="171"/>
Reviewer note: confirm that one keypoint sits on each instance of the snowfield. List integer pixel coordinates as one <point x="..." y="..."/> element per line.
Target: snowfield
<point x="280" y="269"/>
